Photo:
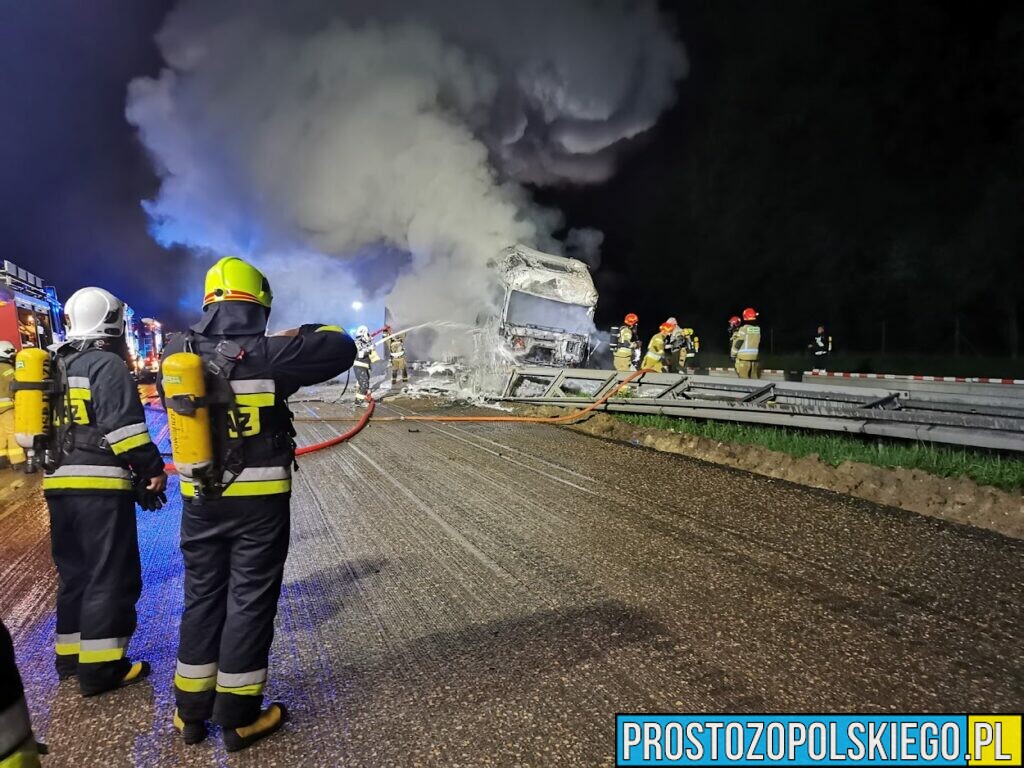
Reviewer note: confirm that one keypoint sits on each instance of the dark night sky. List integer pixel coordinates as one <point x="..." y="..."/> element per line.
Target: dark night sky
<point x="850" y="162"/>
<point x="71" y="171"/>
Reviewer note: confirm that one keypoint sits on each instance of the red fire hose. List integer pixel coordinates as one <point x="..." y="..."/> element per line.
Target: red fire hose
<point x="365" y="418"/>
<point x="363" y="421"/>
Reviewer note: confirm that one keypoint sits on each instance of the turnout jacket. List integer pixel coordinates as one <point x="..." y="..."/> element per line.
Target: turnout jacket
<point x="745" y="343"/>
<point x="109" y="438"/>
<point x="271" y="370"/>
<point x="6" y="379"/>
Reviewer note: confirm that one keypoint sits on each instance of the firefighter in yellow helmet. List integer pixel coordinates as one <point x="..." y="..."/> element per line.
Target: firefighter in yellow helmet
<point x="234" y="530"/>
<point x="745" y="346"/>
<point x="691" y="346"/>
<point x="11" y="454"/>
<point x="654" y="360"/>
<point x="624" y="343"/>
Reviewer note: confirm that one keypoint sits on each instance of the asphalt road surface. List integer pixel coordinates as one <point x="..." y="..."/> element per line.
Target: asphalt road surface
<point x="492" y="594"/>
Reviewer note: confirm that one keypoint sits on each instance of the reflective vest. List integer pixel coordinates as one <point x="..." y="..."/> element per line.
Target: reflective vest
<point x="746" y="342"/>
<point x="396" y="347"/>
<point x="6" y="378"/>
<point x="365" y="353"/>
<point x="624" y="342"/>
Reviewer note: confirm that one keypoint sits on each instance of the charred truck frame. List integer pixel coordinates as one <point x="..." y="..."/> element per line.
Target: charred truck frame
<point x="547" y="313"/>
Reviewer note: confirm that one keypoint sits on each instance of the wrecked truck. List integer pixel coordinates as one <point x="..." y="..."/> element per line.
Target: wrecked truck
<point x="547" y="311"/>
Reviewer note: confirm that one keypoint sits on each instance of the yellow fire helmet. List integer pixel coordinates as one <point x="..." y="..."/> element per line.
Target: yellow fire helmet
<point x="687" y="331"/>
<point x="232" y="279"/>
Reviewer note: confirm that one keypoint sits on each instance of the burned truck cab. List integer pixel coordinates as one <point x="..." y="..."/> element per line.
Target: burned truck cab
<point x="547" y="313"/>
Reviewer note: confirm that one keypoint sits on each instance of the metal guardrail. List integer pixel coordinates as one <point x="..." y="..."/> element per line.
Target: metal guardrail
<point x="968" y="420"/>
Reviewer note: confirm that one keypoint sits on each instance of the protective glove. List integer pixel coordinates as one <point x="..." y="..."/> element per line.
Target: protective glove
<point x="149" y="500"/>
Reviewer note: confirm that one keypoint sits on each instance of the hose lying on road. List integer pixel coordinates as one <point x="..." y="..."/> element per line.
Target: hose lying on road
<point x="363" y="421"/>
<point x="564" y="419"/>
<point x="365" y="418"/>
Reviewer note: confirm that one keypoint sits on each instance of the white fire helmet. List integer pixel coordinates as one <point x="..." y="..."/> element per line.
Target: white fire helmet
<point x="94" y="313"/>
<point x="363" y="332"/>
<point x="7" y="352"/>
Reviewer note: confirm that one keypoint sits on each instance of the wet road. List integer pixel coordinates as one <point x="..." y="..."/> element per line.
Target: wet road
<point x="492" y="594"/>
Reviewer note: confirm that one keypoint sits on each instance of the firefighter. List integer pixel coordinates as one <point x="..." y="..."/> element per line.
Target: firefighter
<point x="744" y="346"/>
<point x="625" y="342"/>
<point x="674" y="360"/>
<point x="11" y="454"/>
<point x="366" y="355"/>
<point x="655" y="357"/>
<point x="691" y="346"/>
<point x="91" y="497"/>
<point x="396" y="351"/>
<point x="821" y="344"/>
<point x="18" y="747"/>
<point x="234" y="538"/>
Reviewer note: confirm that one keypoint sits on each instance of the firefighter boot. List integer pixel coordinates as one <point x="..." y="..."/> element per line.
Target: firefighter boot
<point x="191" y="732"/>
<point x="137" y="672"/>
<point x="270" y="721"/>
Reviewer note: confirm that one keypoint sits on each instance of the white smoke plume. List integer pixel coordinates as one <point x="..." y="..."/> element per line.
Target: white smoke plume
<point x="377" y="149"/>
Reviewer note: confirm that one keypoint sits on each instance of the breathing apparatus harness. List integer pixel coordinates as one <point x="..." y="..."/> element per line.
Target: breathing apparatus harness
<point x="226" y="419"/>
<point x="53" y="437"/>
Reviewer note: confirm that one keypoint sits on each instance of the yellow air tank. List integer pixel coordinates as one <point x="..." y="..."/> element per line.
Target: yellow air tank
<point x="32" y="404"/>
<point x="187" y="415"/>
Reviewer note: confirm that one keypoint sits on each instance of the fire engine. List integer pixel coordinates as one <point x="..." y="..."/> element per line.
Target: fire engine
<point x="30" y="313"/>
<point x="145" y="340"/>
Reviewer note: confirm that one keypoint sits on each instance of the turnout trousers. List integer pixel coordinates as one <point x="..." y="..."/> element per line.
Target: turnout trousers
<point x="362" y="381"/>
<point x="398" y="366"/>
<point x="96" y="550"/>
<point x="9" y="448"/>
<point x="234" y="551"/>
<point x="17" y="745"/>
<point x="748" y="369"/>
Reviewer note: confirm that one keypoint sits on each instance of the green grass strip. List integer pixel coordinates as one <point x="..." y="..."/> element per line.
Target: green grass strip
<point x="985" y="468"/>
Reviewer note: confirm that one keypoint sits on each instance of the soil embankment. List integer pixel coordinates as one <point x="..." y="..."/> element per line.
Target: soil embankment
<point x="957" y="499"/>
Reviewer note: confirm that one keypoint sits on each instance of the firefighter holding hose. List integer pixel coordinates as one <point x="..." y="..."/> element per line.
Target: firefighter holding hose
<point x="226" y="384"/>
<point x="366" y="356"/>
<point x="395" y="345"/>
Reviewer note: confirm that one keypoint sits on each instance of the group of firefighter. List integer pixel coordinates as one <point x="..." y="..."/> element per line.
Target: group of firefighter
<point x="366" y="356"/>
<point x="674" y="350"/>
<point x="227" y="383"/>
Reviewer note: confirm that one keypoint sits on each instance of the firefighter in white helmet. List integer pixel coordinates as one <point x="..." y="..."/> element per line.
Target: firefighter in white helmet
<point x="91" y="496"/>
<point x="11" y="454"/>
<point x="366" y="356"/>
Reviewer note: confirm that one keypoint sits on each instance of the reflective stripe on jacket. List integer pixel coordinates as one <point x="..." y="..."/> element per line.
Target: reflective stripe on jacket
<point x="271" y="370"/>
<point x="109" y="435"/>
